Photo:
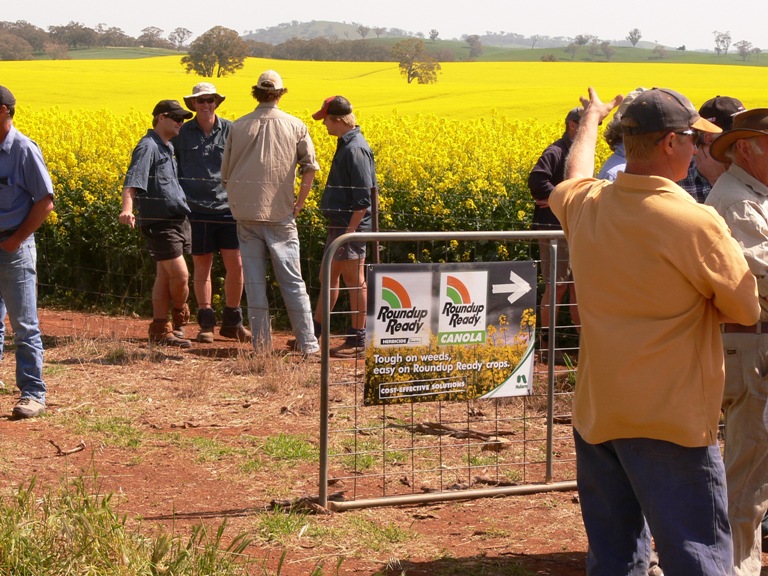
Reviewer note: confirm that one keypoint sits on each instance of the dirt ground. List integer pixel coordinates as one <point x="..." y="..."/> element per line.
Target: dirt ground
<point x="178" y="438"/>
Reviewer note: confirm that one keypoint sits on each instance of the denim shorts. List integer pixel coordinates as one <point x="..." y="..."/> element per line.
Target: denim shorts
<point x="349" y="251"/>
<point x="168" y="239"/>
<point x="213" y="232"/>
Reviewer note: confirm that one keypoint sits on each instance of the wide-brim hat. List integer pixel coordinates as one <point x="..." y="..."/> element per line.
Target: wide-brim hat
<point x="747" y="124"/>
<point x="203" y="89"/>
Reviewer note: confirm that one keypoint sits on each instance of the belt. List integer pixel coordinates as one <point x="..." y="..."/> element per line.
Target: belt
<point x="759" y="328"/>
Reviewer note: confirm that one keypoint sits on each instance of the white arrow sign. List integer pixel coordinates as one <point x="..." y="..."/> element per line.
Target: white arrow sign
<point x="516" y="289"/>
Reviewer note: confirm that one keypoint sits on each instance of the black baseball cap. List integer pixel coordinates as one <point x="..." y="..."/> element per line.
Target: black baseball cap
<point x="173" y="108"/>
<point x="6" y="97"/>
<point x="720" y="110"/>
<point x="660" y="109"/>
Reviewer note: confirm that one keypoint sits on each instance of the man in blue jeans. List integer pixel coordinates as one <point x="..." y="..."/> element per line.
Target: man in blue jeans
<point x="27" y="199"/>
<point x="264" y="151"/>
<point x="656" y="274"/>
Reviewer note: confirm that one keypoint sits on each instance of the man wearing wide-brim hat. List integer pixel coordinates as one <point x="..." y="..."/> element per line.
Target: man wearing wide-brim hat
<point x="741" y="197"/>
<point x="199" y="149"/>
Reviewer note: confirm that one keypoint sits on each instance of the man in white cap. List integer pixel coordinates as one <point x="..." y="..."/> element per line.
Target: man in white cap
<point x="263" y="152"/>
<point x="199" y="150"/>
<point x="656" y="274"/>
<point x="741" y="197"/>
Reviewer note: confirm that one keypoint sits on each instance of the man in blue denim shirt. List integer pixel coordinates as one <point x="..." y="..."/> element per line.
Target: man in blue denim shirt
<point x="26" y="199"/>
<point x="152" y="182"/>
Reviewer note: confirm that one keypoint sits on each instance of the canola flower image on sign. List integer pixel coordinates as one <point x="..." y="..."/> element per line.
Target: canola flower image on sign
<point x="449" y="331"/>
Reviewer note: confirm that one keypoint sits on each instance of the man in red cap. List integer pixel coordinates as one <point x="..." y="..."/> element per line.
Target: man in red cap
<point x="656" y="274"/>
<point x="346" y="204"/>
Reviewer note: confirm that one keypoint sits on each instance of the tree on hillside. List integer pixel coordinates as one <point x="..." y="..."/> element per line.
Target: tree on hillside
<point x="756" y="51"/>
<point x="151" y="37"/>
<point x="56" y="51"/>
<point x="13" y="47"/>
<point x="74" y="35"/>
<point x="475" y="46"/>
<point x="659" y="51"/>
<point x="634" y="36"/>
<point x="744" y="48"/>
<point x="571" y="49"/>
<point x="433" y="34"/>
<point x="363" y="31"/>
<point x="722" y="42"/>
<point x="218" y="51"/>
<point x="37" y="37"/>
<point x="179" y="36"/>
<point x="113" y="36"/>
<point x="535" y="38"/>
<point x="379" y="30"/>
<point x="415" y="62"/>
<point x="607" y="50"/>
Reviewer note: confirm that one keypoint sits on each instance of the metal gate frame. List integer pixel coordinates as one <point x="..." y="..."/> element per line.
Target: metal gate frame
<point x="376" y="237"/>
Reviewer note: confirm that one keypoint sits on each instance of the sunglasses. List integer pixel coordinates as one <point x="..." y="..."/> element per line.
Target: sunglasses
<point x="690" y="132"/>
<point x="177" y="119"/>
<point x="205" y="100"/>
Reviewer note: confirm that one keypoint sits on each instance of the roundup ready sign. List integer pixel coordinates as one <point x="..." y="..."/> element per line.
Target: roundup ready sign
<point x="449" y="331"/>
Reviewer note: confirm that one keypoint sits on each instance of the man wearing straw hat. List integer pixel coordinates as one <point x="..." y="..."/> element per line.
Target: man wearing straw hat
<point x="199" y="150"/>
<point x="741" y="197"/>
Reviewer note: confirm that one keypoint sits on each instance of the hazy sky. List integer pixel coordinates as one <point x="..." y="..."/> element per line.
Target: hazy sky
<point x="669" y="22"/>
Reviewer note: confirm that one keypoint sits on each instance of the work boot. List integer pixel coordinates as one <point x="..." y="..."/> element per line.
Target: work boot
<point x="180" y="317"/>
<point x="206" y="318"/>
<point x="161" y="332"/>
<point x="232" y="325"/>
<point x="353" y="346"/>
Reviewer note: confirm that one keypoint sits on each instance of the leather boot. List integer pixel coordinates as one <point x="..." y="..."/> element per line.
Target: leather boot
<point x="161" y="332"/>
<point x="180" y="318"/>
<point x="232" y="325"/>
<point x="206" y="318"/>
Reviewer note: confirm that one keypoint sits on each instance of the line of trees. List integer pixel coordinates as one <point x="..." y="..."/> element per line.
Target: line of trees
<point x="20" y="40"/>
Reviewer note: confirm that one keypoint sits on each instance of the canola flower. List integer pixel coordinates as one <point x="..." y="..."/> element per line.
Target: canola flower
<point x="434" y="174"/>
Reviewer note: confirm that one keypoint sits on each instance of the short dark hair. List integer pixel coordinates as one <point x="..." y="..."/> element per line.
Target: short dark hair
<point x="267" y="95"/>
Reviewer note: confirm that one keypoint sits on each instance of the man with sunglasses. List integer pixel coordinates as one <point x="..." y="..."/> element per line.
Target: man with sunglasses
<point x="152" y="184"/>
<point x="704" y="170"/>
<point x="656" y="274"/>
<point x="199" y="150"/>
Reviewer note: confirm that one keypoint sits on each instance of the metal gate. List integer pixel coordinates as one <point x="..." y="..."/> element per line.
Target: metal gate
<point x="440" y="451"/>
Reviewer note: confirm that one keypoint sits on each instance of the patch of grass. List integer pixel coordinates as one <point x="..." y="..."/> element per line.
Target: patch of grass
<point x="113" y="431"/>
<point x="280" y="526"/>
<point x="290" y="449"/>
<point x="379" y="536"/>
<point x="77" y="531"/>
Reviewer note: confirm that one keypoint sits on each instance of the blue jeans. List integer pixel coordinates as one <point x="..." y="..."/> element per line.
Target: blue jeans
<point x="278" y="241"/>
<point x="18" y="293"/>
<point x="630" y="488"/>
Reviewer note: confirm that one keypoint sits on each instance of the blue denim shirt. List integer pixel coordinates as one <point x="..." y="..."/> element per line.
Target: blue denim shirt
<point x="24" y="179"/>
<point x="154" y="176"/>
<point x="199" y="161"/>
<point x="352" y="175"/>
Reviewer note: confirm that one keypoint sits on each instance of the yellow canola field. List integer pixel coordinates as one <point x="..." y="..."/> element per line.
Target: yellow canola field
<point x="454" y="155"/>
<point x="542" y="91"/>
